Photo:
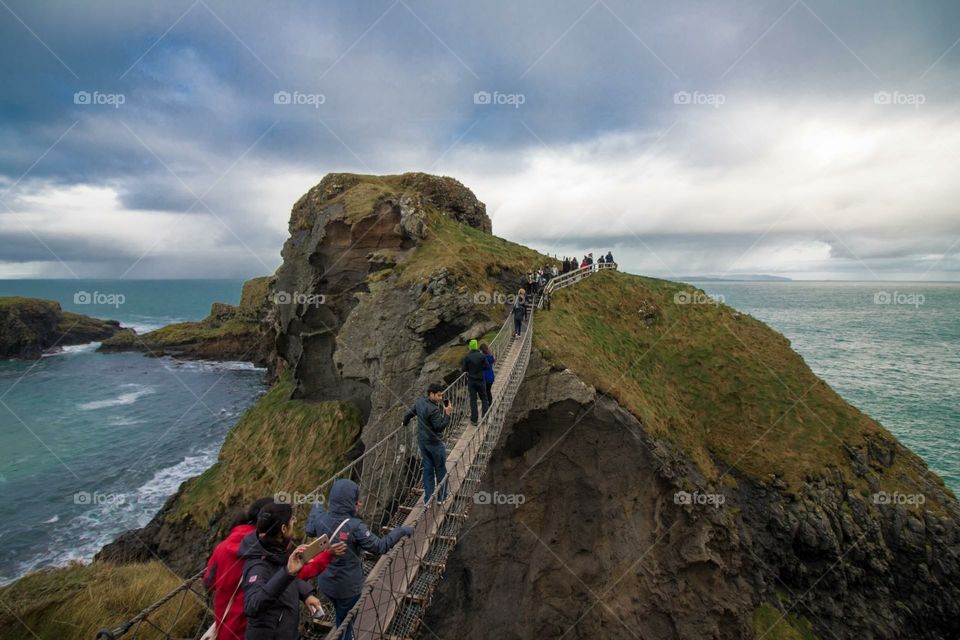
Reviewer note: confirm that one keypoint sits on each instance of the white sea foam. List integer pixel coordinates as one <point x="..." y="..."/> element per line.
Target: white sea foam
<point x="211" y="365"/>
<point x="136" y="391"/>
<point x="72" y="349"/>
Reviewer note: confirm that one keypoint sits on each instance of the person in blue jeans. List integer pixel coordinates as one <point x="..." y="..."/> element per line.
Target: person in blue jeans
<point x="488" y="374"/>
<point x="343" y="579"/>
<point x="433" y="416"/>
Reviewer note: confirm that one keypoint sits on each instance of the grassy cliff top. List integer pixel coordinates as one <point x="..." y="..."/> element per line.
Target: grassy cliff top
<point x="359" y="195"/>
<point x="75" y="601"/>
<point x="477" y="259"/>
<point x="722" y="386"/>
<point x="12" y="302"/>
<point x="279" y="445"/>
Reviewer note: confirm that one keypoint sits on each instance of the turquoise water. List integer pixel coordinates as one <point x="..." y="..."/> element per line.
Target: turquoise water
<point x="93" y="444"/>
<point x="891" y="349"/>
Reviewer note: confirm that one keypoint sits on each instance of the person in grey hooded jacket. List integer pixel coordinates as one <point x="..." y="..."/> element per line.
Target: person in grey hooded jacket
<point x="343" y="579"/>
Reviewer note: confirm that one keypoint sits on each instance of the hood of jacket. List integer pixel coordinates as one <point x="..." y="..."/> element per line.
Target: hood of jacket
<point x="343" y="498"/>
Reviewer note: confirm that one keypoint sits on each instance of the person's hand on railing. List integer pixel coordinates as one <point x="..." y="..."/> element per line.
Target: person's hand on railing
<point x="406" y="532"/>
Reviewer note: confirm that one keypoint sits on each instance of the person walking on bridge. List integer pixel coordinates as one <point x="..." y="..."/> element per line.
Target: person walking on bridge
<point x="343" y="579"/>
<point x="488" y="374"/>
<point x="519" y="312"/>
<point x="474" y="364"/>
<point x="433" y="417"/>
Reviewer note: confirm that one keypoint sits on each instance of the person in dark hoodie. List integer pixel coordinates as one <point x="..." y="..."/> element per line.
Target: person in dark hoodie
<point x="519" y="312"/>
<point x="225" y="572"/>
<point x="489" y="375"/>
<point x="474" y="364"/>
<point x="343" y="579"/>
<point x="432" y="418"/>
<point x="272" y="590"/>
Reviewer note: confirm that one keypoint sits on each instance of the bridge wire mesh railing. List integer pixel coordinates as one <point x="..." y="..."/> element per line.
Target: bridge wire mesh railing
<point x="398" y="586"/>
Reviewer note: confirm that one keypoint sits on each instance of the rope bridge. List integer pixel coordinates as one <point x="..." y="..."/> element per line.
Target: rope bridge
<point x="399" y="585"/>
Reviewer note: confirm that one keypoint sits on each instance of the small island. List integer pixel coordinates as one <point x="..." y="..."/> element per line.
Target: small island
<point x="30" y="327"/>
<point x="229" y="333"/>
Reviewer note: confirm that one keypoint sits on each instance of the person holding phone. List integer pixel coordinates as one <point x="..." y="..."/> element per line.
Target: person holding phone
<point x="432" y="420"/>
<point x="275" y="576"/>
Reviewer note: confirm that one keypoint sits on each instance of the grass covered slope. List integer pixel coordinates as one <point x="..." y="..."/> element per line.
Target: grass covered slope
<point x="476" y="258"/>
<point x="75" y="601"/>
<point x="279" y="445"/>
<point x="722" y="386"/>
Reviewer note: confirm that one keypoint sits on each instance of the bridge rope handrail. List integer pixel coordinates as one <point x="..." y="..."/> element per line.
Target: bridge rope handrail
<point x="391" y="494"/>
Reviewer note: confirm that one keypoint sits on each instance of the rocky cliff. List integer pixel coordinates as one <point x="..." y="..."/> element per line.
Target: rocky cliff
<point x="379" y="273"/>
<point x="372" y="289"/>
<point x="673" y="485"/>
<point x="29" y="327"/>
<point x="229" y="333"/>
<point x="683" y="473"/>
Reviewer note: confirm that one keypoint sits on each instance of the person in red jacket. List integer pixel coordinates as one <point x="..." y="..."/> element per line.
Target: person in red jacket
<point x="225" y="571"/>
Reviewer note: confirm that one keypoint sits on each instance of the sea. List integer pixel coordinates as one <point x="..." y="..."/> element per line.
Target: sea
<point x="891" y="349"/>
<point x="93" y="444"/>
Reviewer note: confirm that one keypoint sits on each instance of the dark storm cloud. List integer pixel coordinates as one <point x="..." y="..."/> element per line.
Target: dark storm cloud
<point x="181" y="95"/>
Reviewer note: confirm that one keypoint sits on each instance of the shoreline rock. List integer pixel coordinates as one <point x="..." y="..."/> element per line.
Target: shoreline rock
<point x="30" y="327"/>
<point x="228" y="333"/>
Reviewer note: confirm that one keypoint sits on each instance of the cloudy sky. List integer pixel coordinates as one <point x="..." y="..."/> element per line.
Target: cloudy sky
<point x="806" y="138"/>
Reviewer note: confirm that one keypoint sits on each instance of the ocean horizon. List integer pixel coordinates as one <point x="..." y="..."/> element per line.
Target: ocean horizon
<point x="95" y="443"/>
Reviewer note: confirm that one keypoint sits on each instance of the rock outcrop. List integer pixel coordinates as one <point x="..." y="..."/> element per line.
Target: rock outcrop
<point x="672" y="486"/>
<point x="30" y="327"/>
<point x="347" y="323"/>
<point x="229" y="333"/>
<point x="351" y="325"/>
<point x="618" y="535"/>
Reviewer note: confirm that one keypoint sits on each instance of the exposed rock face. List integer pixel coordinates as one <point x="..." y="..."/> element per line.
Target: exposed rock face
<point x="341" y="333"/>
<point x="229" y="333"/>
<point x="29" y="327"/>
<point x="349" y="336"/>
<point x="183" y="545"/>
<point x="619" y="537"/>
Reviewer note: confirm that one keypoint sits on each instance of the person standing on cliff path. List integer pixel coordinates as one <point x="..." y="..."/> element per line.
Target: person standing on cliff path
<point x="432" y="420"/>
<point x="343" y="579"/>
<point x="474" y="364"/>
